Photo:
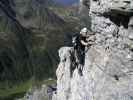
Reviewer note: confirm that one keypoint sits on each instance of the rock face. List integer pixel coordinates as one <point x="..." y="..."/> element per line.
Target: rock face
<point x="108" y="69"/>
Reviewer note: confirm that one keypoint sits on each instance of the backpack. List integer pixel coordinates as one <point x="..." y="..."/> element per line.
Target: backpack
<point x="75" y="41"/>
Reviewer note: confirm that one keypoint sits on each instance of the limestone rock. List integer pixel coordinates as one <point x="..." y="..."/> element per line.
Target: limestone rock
<point x="108" y="69"/>
<point x="63" y="73"/>
<point x="112" y="6"/>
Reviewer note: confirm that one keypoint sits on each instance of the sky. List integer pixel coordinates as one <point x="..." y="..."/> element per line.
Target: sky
<point x="67" y="2"/>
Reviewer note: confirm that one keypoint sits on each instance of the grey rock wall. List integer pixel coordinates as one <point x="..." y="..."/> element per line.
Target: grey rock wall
<point x="108" y="70"/>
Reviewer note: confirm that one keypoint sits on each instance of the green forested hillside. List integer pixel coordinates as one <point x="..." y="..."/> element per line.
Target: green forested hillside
<point x="31" y="32"/>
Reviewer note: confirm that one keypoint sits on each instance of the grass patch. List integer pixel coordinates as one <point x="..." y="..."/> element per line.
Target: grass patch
<point x="46" y="82"/>
<point x="18" y="91"/>
<point x="10" y="93"/>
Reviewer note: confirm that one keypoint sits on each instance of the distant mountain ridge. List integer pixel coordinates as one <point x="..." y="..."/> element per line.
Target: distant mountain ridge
<point x="66" y="2"/>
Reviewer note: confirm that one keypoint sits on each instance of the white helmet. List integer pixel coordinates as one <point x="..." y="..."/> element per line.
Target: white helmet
<point x="84" y="31"/>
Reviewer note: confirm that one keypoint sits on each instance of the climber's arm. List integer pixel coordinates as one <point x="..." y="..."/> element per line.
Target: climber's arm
<point x="91" y="42"/>
<point x="87" y="43"/>
<point x="84" y="43"/>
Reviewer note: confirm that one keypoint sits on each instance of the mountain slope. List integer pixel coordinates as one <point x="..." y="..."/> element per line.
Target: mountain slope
<point x="30" y="34"/>
<point x="15" y="39"/>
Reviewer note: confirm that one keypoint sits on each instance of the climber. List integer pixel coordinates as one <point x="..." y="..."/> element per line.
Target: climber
<point x="80" y="41"/>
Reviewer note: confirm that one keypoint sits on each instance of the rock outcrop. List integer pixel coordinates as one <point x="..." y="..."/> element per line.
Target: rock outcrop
<point x="108" y="69"/>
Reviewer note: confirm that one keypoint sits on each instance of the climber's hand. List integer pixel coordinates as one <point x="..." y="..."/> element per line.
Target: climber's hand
<point x="90" y="43"/>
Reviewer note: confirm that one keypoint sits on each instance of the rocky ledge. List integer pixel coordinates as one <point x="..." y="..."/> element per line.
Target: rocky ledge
<point x="108" y="69"/>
